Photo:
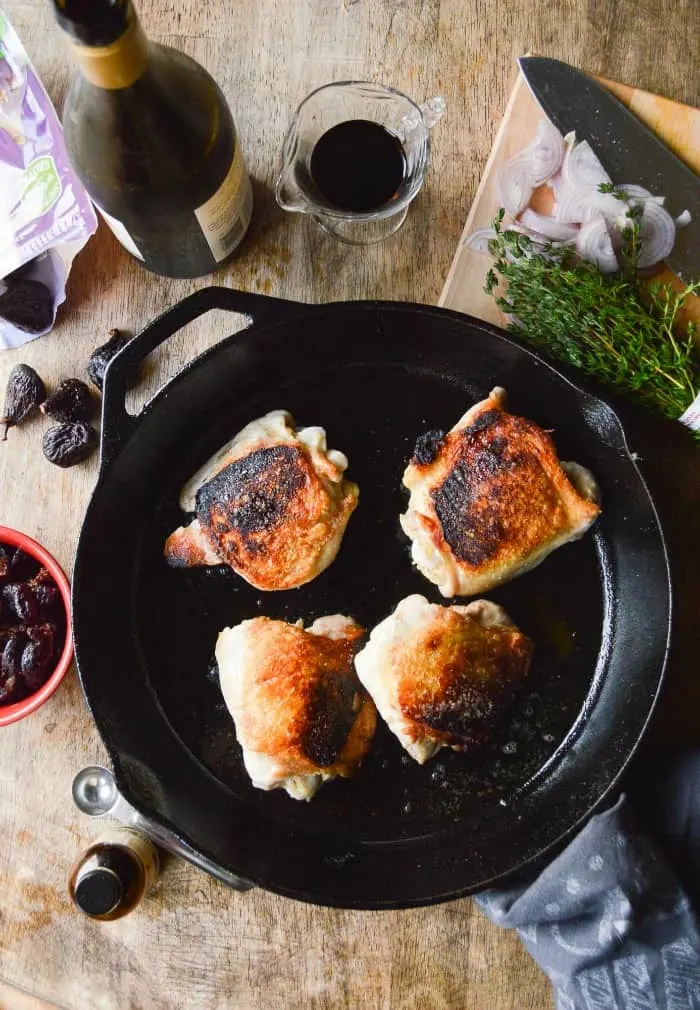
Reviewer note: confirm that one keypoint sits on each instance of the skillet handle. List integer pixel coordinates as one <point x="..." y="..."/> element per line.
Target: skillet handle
<point x="117" y="423"/>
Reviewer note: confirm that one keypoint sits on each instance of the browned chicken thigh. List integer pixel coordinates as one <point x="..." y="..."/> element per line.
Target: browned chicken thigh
<point x="273" y="504"/>
<point x="301" y="715"/>
<point x="490" y="500"/>
<point x="441" y="676"/>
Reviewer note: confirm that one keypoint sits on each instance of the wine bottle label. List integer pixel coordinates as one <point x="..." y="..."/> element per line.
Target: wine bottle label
<point x="225" y="217"/>
<point x="121" y="234"/>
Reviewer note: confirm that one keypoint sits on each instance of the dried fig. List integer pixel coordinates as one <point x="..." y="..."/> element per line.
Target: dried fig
<point x="36" y="656"/>
<point x="27" y="304"/>
<point x="8" y="686"/>
<point x="25" y="391"/>
<point x="66" y="444"/>
<point x="35" y="667"/>
<point x="23" y="566"/>
<point x="11" y="660"/>
<point x="5" y="562"/>
<point x="42" y="577"/>
<point x="46" y="597"/>
<point x="21" y="602"/>
<point x="71" y="400"/>
<point x="44" y="635"/>
<point x="101" y="356"/>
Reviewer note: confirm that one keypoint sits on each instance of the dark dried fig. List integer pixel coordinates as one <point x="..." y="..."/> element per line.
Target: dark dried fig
<point x="11" y="661"/>
<point x="42" y="577"/>
<point x="46" y="597"/>
<point x="43" y="634"/>
<point x="101" y="356"/>
<point x="36" y="656"/>
<point x="70" y="443"/>
<point x="35" y="666"/>
<point x="71" y="400"/>
<point x="5" y="561"/>
<point x="20" y="600"/>
<point x="25" y="391"/>
<point x="27" y="304"/>
<point x="23" y="566"/>
<point x="8" y="687"/>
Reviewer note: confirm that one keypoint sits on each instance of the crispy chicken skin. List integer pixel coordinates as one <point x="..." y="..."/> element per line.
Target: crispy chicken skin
<point x="272" y="504"/>
<point x="441" y="676"/>
<point x="301" y="714"/>
<point x="490" y="500"/>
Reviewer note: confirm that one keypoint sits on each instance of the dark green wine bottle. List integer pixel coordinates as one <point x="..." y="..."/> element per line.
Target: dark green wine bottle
<point x="151" y="137"/>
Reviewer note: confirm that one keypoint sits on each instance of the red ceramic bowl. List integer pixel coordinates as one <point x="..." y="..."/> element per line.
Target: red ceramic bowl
<point x="18" y="710"/>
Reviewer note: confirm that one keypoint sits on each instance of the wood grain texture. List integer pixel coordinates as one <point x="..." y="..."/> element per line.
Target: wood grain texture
<point x="16" y="999"/>
<point x="194" y="943"/>
<point x="678" y="126"/>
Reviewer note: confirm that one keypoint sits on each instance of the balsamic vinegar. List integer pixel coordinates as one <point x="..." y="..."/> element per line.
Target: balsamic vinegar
<point x="358" y="166"/>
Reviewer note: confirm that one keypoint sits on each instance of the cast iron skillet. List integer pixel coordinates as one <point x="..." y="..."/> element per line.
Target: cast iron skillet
<point x="375" y="375"/>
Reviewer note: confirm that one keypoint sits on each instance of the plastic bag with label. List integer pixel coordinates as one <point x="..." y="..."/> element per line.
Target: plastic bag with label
<point x="45" y="214"/>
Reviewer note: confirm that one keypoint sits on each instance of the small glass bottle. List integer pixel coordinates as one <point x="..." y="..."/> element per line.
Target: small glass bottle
<point x="112" y="875"/>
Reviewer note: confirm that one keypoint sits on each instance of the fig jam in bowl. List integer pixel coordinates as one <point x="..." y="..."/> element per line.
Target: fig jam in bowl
<point x="36" y="647"/>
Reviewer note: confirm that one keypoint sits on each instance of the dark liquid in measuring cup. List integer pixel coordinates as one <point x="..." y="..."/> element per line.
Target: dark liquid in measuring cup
<point x="358" y="165"/>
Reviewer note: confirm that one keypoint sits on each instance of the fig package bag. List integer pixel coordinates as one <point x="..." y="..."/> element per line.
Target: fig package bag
<point x="45" y="214"/>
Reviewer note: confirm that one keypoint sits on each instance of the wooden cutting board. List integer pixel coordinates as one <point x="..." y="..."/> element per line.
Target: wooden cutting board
<point x="677" y="125"/>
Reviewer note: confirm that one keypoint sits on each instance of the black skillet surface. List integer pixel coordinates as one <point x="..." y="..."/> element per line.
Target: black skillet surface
<point x="375" y="375"/>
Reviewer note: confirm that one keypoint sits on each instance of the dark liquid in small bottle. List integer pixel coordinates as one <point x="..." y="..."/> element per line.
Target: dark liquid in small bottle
<point x="358" y="165"/>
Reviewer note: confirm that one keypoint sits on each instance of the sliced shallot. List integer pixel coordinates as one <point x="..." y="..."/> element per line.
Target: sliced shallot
<point x="593" y="243"/>
<point x="479" y="239"/>
<point x="557" y="184"/>
<point x="594" y="221"/>
<point x="583" y="204"/>
<point x="582" y="167"/>
<point x="684" y="218"/>
<point x="515" y="183"/>
<point x="535" y="165"/>
<point x="546" y="152"/>
<point x="634" y="192"/>
<point x="544" y="226"/>
<point x="657" y="233"/>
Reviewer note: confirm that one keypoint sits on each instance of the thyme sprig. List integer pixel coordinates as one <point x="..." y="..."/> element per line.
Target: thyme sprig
<point x="625" y="333"/>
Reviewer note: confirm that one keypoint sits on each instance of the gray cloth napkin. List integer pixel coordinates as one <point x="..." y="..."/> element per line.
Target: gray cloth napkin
<point x="613" y="918"/>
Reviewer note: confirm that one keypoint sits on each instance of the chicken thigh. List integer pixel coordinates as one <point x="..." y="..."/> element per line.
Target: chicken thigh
<point x="301" y="715"/>
<point x="441" y="676"/>
<point x="490" y="500"/>
<point x="273" y="504"/>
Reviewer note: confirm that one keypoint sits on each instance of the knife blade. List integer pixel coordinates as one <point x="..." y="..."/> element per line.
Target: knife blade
<point x="628" y="150"/>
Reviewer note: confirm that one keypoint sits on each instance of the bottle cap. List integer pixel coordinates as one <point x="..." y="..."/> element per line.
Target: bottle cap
<point x="99" y="891"/>
<point x="93" y="22"/>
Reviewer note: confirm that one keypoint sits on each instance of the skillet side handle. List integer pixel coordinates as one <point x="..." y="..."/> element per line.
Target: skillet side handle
<point x="117" y="423"/>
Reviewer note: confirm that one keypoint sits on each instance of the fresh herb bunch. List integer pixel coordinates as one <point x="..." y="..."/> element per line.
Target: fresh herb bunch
<point x="625" y="333"/>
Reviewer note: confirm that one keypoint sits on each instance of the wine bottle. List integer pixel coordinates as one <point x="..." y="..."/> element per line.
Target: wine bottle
<point x="153" y="141"/>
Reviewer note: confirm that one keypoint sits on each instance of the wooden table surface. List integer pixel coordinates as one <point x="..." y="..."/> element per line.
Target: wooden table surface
<point x="194" y="943"/>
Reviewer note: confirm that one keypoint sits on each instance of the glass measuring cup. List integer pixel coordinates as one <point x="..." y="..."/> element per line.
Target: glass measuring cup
<point x="355" y="100"/>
